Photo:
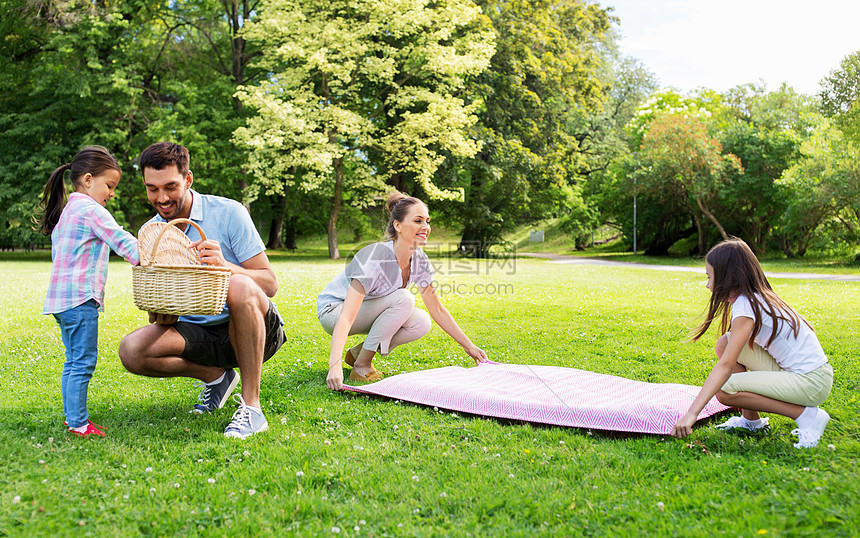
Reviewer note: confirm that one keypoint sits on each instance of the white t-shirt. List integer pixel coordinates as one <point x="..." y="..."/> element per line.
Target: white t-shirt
<point x="800" y="355"/>
<point x="375" y="267"/>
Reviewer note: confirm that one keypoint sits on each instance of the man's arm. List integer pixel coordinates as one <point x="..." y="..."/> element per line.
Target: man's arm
<point x="256" y="267"/>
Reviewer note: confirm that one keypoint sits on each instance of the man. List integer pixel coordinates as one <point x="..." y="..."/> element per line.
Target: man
<point x="208" y="348"/>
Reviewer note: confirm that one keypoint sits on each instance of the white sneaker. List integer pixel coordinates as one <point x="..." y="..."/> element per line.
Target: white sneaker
<point x="741" y="422"/>
<point x="808" y="437"/>
<point x="246" y="421"/>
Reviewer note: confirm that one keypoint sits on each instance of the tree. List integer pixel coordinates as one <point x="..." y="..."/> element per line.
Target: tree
<point x="122" y="74"/>
<point x="372" y="87"/>
<point x="765" y="130"/>
<point x="824" y="186"/>
<point x="839" y="96"/>
<point x="681" y="161"/>
<point x="607" y="144"/>
<point x="541" y="78"/>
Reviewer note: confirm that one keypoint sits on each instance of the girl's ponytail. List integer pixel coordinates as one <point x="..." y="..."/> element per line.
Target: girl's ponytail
<point x="93" y="160"/>
<point x="53" y="200"/>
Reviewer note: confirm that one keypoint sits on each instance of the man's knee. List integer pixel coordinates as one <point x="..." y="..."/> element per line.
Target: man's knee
<point x="244" y="292"/>
<point x="130" y="351"/>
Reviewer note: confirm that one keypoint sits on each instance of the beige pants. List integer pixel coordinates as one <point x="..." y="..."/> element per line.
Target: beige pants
<point x="387" y="321"/>
<point x="765" y="377"/>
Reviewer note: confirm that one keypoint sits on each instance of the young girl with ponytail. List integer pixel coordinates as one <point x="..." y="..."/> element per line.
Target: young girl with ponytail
<point x="82" y="234"/>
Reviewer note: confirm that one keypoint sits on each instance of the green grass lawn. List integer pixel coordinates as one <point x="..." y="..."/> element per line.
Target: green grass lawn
<point x="349" y="465"/>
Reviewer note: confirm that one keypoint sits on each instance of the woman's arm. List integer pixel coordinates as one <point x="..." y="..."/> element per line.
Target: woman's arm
<point x="444" y="319"/>
<point x="720" y="373"/>
<point x="351" y="306"/>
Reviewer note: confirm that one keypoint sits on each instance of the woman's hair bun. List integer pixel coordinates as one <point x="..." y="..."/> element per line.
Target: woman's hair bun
<point x="393" y="198"/>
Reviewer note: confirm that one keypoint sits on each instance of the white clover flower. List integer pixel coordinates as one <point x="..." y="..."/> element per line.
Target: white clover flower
<point x="176" y="485"/>
<point x="661" y="506"/>
<point x="252" y="491"/>
<point x="300" y="474"/>
<point x="16" y="499"/>
<point x="211" y="480"/>
<point x="443" y="494"/>
<point x="415" y="478"/>
<point x="335" y="530"/>
<point x="148" y="469"/>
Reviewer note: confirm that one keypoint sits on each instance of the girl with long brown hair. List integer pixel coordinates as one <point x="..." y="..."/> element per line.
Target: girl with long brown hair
<point x="771" y="361"/>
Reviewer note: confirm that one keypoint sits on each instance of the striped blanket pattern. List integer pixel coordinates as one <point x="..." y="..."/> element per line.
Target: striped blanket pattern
<point x="546" y="395"/>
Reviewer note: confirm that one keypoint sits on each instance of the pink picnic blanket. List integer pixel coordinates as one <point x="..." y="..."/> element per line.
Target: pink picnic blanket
<point x="546" y="395"/>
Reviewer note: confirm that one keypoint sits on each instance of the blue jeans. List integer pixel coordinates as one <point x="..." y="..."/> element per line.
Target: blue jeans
<point x="79" y="327"/>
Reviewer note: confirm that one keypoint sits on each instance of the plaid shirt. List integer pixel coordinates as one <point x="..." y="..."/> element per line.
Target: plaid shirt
<point x="80" y="244"/>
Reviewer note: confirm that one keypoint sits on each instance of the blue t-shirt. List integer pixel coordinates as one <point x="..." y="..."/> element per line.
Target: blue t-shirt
<point x="228" y="222"/>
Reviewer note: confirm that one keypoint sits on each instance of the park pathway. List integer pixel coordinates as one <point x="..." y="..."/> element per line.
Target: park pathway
<point x="580" y="260"/>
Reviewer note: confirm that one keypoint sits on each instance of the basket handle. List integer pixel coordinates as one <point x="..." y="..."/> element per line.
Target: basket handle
<point x="174" y="222"/>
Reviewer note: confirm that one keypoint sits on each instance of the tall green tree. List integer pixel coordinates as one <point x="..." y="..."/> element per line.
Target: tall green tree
<point x="824" y="188"/>
<point x="542" y="79"/>
<point x="684" y="162"/>
<point x="369" y="87"/>
<point x="122" y="74"/>
<point x="840" y="96"/>
<point x="765" y="130"/>
<point x="607" y="145"/>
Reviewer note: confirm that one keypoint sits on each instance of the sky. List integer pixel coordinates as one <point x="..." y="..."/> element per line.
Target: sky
<point x="720" y="44"/>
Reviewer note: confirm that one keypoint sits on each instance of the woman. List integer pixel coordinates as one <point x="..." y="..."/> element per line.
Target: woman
<point x="370" y="296"/>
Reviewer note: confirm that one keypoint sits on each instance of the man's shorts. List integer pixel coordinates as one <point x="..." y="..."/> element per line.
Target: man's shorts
<point x="210" y="345"/>
<point x="764" y="376"/>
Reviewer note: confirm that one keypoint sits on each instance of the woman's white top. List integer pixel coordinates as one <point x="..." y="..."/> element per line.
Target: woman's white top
<point x="801" y="354"/>
<point x="376" y="269"/>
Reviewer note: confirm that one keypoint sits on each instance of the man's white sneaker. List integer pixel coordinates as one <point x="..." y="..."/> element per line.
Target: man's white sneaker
<point x="246" y="421"/>
<point x="741" y="422"/>
<point x="808" y="437"/>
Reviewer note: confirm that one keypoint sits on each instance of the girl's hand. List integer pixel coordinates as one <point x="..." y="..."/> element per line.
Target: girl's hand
<point x="476" y="353"/>
<point x="334" y="381"/>
<point x="684" y="426"/>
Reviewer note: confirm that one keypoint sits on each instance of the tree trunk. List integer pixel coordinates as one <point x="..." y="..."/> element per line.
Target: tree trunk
<point x="331" y="226"/>
<point x="711" y="217"/>
<point x="290" y="233"/>
<point x="275" y="231"/>
<point x="701" y="232"/>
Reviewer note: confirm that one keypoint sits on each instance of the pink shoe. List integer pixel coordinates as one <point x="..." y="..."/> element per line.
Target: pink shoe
<point x="91" y="430"/>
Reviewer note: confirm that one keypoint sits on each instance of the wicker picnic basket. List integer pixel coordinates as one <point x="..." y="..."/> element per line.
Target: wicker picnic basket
<point x="171" y="279"/>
